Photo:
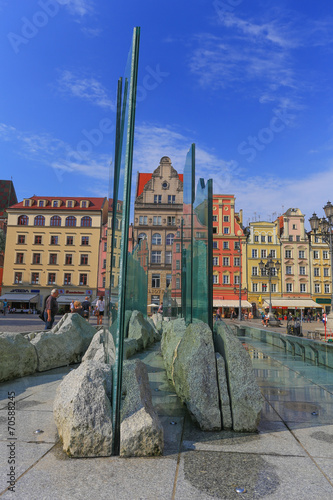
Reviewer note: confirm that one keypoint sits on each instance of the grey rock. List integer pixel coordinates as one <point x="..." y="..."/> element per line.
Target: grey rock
<point x="82" y="411"/>
<point x="245" y="396"/>
<point x="140" y="330"/>
<point x="17" y="356"/>
<point x="157" y="333"/>
<point x="61" y="321"/>
<point x="173" y="332"/>
<point x="97" y="349"/>
<point x="64" y="345"/>
<point x="131" y="346"/>
<point x="141" y="433"/>
<point x="195" y="377"/>
<point x="224" y="393"/>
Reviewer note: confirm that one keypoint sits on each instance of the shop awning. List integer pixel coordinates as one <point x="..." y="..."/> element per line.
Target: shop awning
<point x="67" y="299"/>
<point x="292" y="303"/>
<point x="231" y="303"/>
<point x="20" y="297"/>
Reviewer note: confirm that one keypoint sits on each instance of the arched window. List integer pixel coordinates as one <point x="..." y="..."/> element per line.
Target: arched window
<point x="70" y="221"/>
<point x="23" y="220"/>
<point x="86" y="221"/>
<point x="55" y="220"/>
<point x="39" y="220"/>
<point x="142" y="236"/>
<point x="169" y="239"/>
<point x="156" y="239"/>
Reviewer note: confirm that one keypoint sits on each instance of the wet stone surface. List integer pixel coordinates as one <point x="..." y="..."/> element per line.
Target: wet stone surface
<point x="219" y="474"/>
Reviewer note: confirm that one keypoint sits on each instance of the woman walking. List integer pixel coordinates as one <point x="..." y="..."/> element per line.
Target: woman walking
<point x="100" y="309"/>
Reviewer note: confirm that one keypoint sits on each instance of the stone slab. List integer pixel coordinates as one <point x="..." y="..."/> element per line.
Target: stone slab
<point x="317" y="440"/>
<point x="27" y="422"/>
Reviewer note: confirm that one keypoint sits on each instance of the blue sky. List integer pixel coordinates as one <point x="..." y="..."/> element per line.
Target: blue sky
<point x="250" y="82"/>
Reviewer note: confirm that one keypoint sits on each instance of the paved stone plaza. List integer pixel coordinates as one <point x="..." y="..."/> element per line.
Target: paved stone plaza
<point x="290" y="457"/>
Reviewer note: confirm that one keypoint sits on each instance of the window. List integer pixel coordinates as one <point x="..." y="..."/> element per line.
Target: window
<point x="237" y="245"/>
<point x="225" y="279"/>
<point x="21" y="239"/>
<point x="316" y="271"/>
<point x="143" y="220"/>
<point x="274" y="271"/>
<point x="69" y="240"/>
<point x="23" y="220"/>
<point x="215" y="279"/>
<point x="38" y="239"/>
<point x="155" y="280"/>
<point x="168" y="279"/>
<point x="225" y="261"/>
<point x="214" y="218"/>
<point x="171" y="221"/>
<point x="55" y="203"/>
<point x="302" y="288"/>
<point x="288" y="270"/>
<point x="157" y="198"/>
<point x="215" y="244"/>
<point x="51" y="279"/>
<point x="36" y="258"/>
<point x="85" y="240"/>
<point x="68" y="259"/>
<point x="214" y="230"/>
<point x="236" y="279"/>
<point x="83" y="204"/>
<point x="301" y="254"/>
<point x="226" y="245"/>
<point x="226" y="218"/>
<point x="54" y="240"/>
<point x="215" y="261"/>
<point x="263" y="254"/>
<point x="254" y="271"/>
<point x="254" y="287"/>
<point x="317" y="240"/>
<point x="289" y="287"/>
<point x="70" y="221"/>
<point x="225" y="230"/>
<point x="317" y="288"/>
<point x="327" y="288"/>
<point x="288" y="254"/>
<point x="264" y="287"/>
<point x="84" y="260"/>
<point x="103" y="282"/>
<point x="86" y="221"/>
<point x="27" y="203"/>
<point x="269" y="239"/>
<point x="19" y="258"/>
<point x="105" y="246"/>
<point x="104" y="263"/>
<point x="302" y="270"/>
<point x="177" y="283"/>
<point x="67" y="278"/>
<point x="254" y="254"/>
<point x="157" y="220"/>
<point x="156" y="257"/>
<point x="177" y="247"/>
<point x="83" y="279"/>
<point x="53" y="258"/>
<point x="156" y="239"/>
<point x="256" y="238"/>
<point x="169" y="239"/>
<point x="325" y="254"/>
<point x="263" y="272"/>
<point x="263" y="238"/>
<point x="326" y="272"/>
<point x="113" y="261"/>
<point x="294" y="226"/>
<point x="171" y="198"/>
<point x="298" y="238"/>
<point x="39" y="220"/>
<point x="168" y="257"/>
<point x="273" y="287"/>
<point x="35" y="278"/>
<point x="177" y="264"/>
<point x="291" y="238"/>
<point x="18" y="277"/>
<point x="55" y="220"/>
<point x="273" y="254"/>
<point x="69" y="203"/>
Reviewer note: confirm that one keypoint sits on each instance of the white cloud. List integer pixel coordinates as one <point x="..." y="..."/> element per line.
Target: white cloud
<point x="80" y="7"/>
<point x="85" y="87"/>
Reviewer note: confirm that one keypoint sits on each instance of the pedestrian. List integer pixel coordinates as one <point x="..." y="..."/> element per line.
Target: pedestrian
<point x="71" y="306"/>
<point x="86" y="308"/>
<point x="78" y="308"/>
<point x="51" y="309"/>
<point x="5" y="303"/>
<point x="100" y="309"/>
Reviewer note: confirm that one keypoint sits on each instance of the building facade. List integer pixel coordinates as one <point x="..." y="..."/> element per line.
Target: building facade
<point x="52" y="242"/>
<point x="158" y="210"/>
<point x="320" y="271"/>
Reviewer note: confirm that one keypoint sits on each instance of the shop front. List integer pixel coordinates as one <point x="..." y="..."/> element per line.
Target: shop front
<point x="230" y="307"/>
<point x="21" y="301"/>
<point x="298" y="308"/>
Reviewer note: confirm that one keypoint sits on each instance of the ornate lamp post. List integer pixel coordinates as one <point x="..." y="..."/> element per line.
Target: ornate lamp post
<point x="270" y="268"/>
<point x="325" y="227"/>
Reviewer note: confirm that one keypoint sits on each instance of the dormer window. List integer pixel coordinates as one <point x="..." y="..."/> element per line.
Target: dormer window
<point x="55" y="203"/>
<point x="41" y="203"/>
<point x="70" y="203"/>
<point x="84" y="204"/>
<point x="27" y="203"/>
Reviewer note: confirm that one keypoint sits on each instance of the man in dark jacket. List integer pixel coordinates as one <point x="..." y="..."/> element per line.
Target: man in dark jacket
<point x="51" y="309"/>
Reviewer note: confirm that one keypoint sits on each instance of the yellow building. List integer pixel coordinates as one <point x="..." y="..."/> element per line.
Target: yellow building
<point x="52" y="242"/>
<point x="320" y="271"/>
<point x="263" y="240"/>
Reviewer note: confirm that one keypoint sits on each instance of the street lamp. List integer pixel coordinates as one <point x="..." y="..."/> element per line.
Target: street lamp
<point x="325" y="227"/>
<point x="270" y="268"/>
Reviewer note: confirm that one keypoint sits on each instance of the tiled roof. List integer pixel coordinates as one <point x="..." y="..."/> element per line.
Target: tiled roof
<point x="95" y="203"/>
<point x="144" y="178"/>
<point x="7" y="195"/>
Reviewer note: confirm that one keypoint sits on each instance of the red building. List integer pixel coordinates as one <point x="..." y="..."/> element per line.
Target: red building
<point x="228" y="255"/>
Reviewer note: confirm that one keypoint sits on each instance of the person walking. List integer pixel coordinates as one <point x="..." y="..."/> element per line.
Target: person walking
<point x="71" y="306"/>
<point x="86" y="308"/>
<point x="51" y="309"/>
<point x="100" y="309"/>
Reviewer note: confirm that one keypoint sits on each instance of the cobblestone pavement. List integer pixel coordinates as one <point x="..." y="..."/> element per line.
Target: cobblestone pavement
<point x="27" y="323"/>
